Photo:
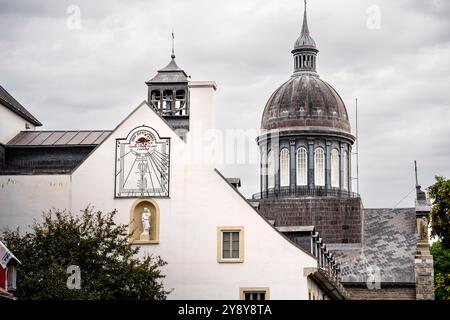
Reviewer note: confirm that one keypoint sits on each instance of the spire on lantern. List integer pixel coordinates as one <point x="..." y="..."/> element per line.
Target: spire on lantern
<point x="305" y="50"/>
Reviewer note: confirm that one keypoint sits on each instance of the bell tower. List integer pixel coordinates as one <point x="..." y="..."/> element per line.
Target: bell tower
<point x="168" y="95"/>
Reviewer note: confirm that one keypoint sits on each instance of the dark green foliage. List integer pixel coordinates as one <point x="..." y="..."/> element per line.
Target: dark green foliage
<point x="441" y="257"/>
<point x="110" y="267"/>
<point x="440" y="212"/>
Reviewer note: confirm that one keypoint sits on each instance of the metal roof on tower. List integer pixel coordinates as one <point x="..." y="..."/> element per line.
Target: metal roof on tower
<point x="305" y="41"/>
<point x="305" y="102"/>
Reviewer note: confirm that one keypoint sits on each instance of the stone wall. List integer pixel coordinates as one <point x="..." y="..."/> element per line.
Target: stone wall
<point x="338" y="220"/>
<point x="424" y="272"/>
<point x="302" y="239"/>
<point x="387" y="292"/>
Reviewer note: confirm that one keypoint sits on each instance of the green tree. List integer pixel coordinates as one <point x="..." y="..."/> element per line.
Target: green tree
<point x="440" y="211"/>
<point x="110" y="266"/>
<point x="441" y="257"/>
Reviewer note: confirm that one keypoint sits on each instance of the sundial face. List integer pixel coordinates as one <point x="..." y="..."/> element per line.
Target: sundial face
<point x="142" y="164"/>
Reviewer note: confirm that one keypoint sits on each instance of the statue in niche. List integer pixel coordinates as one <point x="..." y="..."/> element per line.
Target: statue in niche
<point x="146" y="218"/>
<point x="422" y="228"/>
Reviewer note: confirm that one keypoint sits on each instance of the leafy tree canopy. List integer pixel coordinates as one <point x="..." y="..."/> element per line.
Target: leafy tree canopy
<point x="110" y="267"/>
<point x="440" y="212"/>
<point x="441" y="257"/>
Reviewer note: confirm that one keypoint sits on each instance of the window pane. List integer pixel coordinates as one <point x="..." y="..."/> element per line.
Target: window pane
<point x="284" y="167"/>
<point x="226" y="246"/>
<point x="302" y="167"/>
<point x="235" y="245"/>
<point x="319" y="167"/>
<point x="346" y="170"/>
<point x="335" y="168"/>
<point x="230" y="245"/>
<point x="257" y="295"/>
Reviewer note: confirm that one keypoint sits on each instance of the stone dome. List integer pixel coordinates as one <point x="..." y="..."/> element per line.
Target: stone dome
<point x="305" y="101"/>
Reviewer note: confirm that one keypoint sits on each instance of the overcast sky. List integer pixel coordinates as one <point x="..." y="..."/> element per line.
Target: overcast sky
<point x="93" y="76"/>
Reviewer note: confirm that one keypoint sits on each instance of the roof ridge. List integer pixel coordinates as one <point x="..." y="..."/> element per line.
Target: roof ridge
<point x="11" y="103"/>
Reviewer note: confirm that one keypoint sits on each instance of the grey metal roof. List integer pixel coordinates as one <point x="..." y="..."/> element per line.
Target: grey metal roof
<point x="305" y="41"/>
<point x="58" y="138"/>
<point x="389" y="246"/>
<point x="169" y="74"/>
<point x="8" y="101"/>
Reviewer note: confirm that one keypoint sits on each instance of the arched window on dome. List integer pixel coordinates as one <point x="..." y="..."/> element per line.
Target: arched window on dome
<point x="346" y="170"/>
<point x="270" y="170"/>
<point x="335" y="168"/>
<point x="302" y="167"/>
<point x="319" y="167"/>
<point x="284" y="168"/>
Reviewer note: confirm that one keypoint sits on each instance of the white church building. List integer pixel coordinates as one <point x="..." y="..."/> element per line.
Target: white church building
<point x="154" y="169"/>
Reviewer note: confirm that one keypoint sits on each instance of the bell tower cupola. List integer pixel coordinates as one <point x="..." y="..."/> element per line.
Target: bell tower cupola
<point x="168" y="94"/>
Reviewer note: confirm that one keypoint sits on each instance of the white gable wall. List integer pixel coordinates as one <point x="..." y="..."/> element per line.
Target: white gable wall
<point x="24" y="198"/>
<point x="200" y="201"/>
<point x="11" y="124"/>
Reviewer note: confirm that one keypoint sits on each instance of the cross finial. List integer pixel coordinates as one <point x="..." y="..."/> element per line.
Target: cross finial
<point x="173" y="44"/>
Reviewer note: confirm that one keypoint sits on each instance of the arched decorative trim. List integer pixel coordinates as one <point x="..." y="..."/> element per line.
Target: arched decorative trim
<point x="284" y="168"/>
<point x="135" y="224"/>
<point x="302" y="167"/>
<point x="319" y="167"/>
<point x="335" y="168"/>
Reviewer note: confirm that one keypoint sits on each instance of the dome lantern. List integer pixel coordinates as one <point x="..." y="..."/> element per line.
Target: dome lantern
<point x="305" y="50"/>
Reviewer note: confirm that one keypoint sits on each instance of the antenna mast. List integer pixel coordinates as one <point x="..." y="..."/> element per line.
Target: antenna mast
<point x="415" y="169"/>
<point x="357" y="148"/>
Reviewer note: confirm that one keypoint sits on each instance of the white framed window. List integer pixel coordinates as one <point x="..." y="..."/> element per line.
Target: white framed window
<point x="346" y="170"/>
<point x="230" y="244"/>
<point x="335" y="168"/>
<point x="254" y="294"/>
<point x="319" y="167"/>
<point x="270" y="170"/>
<point x="284" y="168"/>
<point x="302" y="167"/>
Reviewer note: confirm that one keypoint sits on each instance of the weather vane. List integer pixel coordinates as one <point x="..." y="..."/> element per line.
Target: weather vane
<point x="173" y="44"/>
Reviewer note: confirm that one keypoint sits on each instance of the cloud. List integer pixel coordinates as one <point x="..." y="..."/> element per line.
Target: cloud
<point x="93" y="77"/>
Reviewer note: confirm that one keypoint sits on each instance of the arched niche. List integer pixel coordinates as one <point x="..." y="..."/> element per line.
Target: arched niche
<point x="136" y="224"/>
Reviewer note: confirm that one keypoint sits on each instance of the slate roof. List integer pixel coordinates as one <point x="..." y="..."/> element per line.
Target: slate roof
<point x="389" y="247"/>
<point x="170" y="74"/>
<point x="58" y="138"/>
<point x="9" y="102"/>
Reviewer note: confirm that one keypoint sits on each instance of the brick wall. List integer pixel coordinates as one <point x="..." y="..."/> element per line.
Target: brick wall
<point x="405" y="292"/>
<point x="337" y="220"/>
<point x="302" y="239"/>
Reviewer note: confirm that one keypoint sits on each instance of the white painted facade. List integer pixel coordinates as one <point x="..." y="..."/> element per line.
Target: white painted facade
<point x="200" y="201"/>
<point x="11" y="124"/>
